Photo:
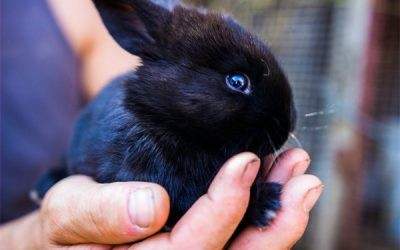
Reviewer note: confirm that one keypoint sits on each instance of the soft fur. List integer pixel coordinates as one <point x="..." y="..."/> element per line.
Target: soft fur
<point x="174" y="121"/>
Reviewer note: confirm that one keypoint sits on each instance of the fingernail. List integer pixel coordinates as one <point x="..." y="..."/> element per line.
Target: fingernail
<point x="250" y="171"/>
<point x="311" y="197"/>
<point x="300" y="167"/>
<point x="141" y="207"/>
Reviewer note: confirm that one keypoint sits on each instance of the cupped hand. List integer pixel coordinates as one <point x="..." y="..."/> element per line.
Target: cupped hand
<point x="212" y="220"/>
<point x="78" y="213"/>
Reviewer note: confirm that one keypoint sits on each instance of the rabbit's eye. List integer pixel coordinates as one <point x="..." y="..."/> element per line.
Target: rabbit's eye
<point x="238" y="82"/>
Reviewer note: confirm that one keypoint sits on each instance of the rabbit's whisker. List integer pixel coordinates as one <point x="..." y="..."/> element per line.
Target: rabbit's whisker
<point x="294" y="137"/>
<point x="314" y="128"/>
<point x="275" y="151"/>
<point x="330" y="110"/>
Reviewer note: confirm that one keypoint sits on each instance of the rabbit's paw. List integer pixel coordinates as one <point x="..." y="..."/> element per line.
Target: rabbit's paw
<point x="264" y="204"/>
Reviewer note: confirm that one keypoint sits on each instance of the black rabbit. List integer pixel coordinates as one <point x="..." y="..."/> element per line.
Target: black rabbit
<point x="207" y="90"/>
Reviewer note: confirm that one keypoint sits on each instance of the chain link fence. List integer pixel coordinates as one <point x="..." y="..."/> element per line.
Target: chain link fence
<point x="342" y="58"/>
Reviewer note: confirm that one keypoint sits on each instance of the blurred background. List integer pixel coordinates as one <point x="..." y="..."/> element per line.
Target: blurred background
<point x="342" y="57"/>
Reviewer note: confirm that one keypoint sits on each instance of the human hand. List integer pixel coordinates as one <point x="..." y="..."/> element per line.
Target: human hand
<point x="98" y="215"/>
<point x="78" y="212"/>
<point x="212" y="220"/>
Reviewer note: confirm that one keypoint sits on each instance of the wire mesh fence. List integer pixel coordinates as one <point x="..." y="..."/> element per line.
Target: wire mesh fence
<point x="342" y="58"/>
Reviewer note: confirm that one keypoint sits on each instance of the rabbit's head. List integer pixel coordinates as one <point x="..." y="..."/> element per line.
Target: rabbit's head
<point x="203" y="77"/>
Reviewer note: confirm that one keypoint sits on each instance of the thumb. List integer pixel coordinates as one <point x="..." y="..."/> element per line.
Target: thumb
<point x="78" y="210"/>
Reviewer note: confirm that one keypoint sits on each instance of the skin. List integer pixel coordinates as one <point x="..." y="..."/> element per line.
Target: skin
<point x="78" y="213"/>
<point x="101" y="59"/>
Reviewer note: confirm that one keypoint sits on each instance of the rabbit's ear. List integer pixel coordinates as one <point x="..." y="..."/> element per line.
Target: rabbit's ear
<point x="134" y="24"/>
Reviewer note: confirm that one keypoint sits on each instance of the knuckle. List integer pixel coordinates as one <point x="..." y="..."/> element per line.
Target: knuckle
<point x="54" y="215"/>
<point x="50" y="204"/>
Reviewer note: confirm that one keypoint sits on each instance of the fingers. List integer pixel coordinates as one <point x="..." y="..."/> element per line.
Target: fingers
<point x="78" y="210"/>
<point x="290" y="163"/>
<point x="211" y="221"/>
<point x="298" y="197"/>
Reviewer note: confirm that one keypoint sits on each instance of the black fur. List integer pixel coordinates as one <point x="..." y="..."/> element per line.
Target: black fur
<point x="46" y="181"/>
<point x="174" y="121"/>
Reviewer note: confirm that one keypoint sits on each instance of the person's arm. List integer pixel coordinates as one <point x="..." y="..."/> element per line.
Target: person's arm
<point x="79" y="212"/>
<point x="101" y="58"/>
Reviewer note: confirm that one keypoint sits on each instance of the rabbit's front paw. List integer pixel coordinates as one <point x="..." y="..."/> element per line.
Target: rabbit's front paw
<point x="264" y="204"/>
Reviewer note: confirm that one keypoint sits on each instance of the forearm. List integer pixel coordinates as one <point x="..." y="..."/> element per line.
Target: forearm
<point x="23" y="233"/>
